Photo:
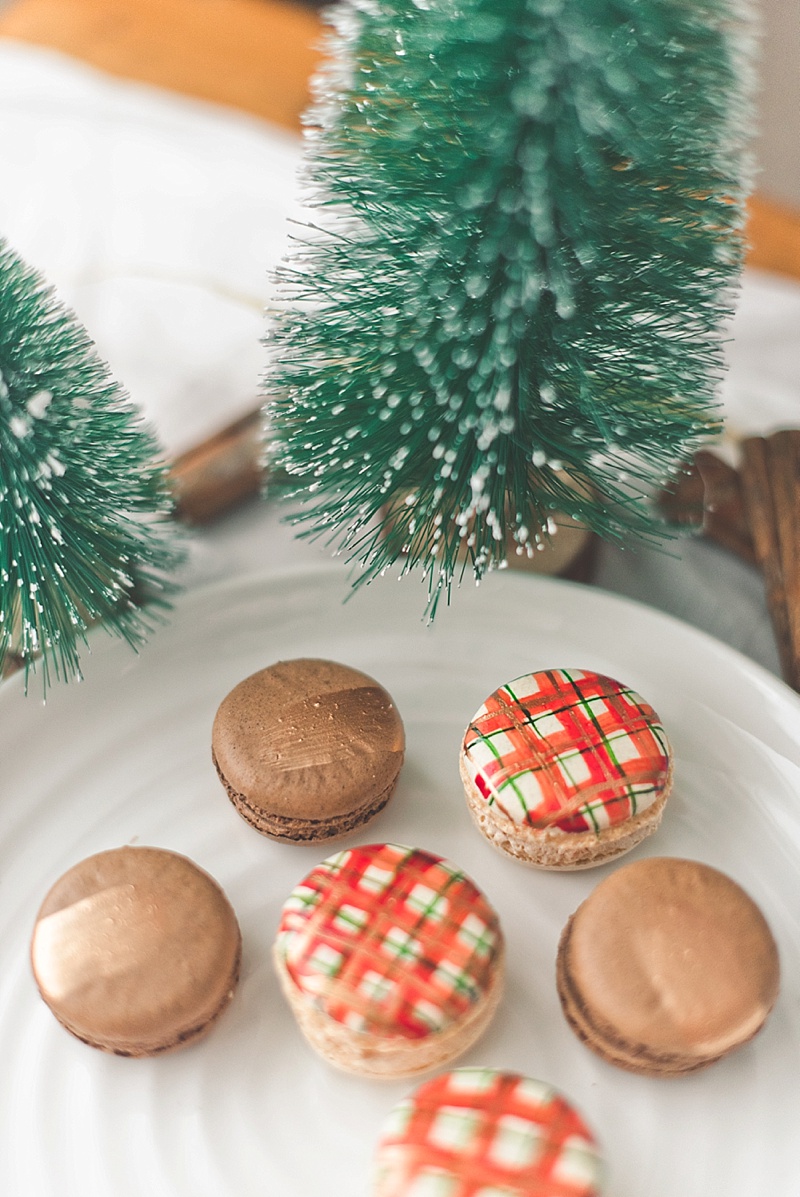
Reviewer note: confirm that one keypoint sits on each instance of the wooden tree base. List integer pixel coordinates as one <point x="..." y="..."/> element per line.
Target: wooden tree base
<point x="754" y="511"/>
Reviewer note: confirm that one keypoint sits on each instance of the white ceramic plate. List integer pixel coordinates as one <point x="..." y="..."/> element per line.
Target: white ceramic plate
<point x="124" y="758"/>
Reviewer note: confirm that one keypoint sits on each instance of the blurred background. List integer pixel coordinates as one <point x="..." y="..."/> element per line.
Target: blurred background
<point x="778" y="143"/>
<point x="95" y="27"/>
<point x="149" y="151"/>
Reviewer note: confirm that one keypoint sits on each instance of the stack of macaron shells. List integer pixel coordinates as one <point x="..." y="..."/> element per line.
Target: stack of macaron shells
<point x="391" y="959"/>
<point x="566" y="769"/>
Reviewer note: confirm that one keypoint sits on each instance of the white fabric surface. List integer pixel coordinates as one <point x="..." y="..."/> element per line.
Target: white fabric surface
<point x="159" y="219"/>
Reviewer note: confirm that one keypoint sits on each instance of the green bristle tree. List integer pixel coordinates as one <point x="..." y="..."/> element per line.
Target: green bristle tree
<point x="83" y="502"/>
<point x="526" y="224"/>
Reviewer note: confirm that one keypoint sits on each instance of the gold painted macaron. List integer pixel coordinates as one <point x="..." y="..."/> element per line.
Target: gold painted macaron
<point x="476" y="1132"/>
<point x="308" y="750"/>
<point x="566" y="769"/>
<point x="391" y="960"/>
<point x="136" y="951"/>
<point x="667" y="967"/>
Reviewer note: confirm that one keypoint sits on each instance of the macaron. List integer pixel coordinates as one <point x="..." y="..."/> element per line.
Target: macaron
<point x="667" y="967"/>
<point x="308" y="750"/>
<point x="476" y="1132"/>
<point x="391" y="960"/>
<point x="136" y="951"/>
<point x="566" y="769"/>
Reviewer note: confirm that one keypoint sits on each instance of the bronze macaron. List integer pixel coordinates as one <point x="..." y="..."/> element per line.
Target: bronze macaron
<point x="308" y="749"/>
<point x="667" y="967"/>
<point x="136" y="951"/>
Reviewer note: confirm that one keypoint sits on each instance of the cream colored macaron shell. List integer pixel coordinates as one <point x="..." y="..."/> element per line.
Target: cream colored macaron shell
<point x="391" y="960"/>
<point x="565" y="769"/>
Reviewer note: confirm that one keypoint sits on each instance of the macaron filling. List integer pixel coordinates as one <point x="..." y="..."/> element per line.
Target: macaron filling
<point x="303" y="830"/>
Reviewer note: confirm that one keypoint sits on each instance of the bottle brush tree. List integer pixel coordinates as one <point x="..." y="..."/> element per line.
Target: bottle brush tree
<point x="525" y="230"/>
<point x="83" y="503"/>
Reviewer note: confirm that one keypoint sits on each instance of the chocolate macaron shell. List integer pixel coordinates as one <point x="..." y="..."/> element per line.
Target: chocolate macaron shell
<point x="667" y="966"/>
<point x="308" y="749"/>
<point x="136" y="951"/>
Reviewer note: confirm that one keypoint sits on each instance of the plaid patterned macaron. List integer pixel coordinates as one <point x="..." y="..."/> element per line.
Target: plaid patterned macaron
<point x="392" y="945"/>
<point x="475" y="1132"/>
<point x="566" y="751"/>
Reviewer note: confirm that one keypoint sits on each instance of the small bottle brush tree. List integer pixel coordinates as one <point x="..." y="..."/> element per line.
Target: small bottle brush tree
<point x="83" y="502"/>
<point x="527" y="220"/>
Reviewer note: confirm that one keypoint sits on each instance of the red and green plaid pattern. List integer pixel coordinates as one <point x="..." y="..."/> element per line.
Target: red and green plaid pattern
<point x="569" y="749"/>
<point x="475" y="1132"/>
<point x="389" y="940"/>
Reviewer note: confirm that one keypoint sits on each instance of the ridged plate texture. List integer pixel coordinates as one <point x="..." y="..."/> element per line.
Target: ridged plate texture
<point x="124" y="758"/>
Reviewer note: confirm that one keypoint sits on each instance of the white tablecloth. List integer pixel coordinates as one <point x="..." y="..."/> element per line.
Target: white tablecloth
<point x="160" y="218"/>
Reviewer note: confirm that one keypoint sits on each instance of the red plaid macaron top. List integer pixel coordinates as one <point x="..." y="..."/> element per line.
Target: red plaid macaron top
<point x="569" y="749"/>
<point x="389" y="940"/>
<point x="475" y="1132"/>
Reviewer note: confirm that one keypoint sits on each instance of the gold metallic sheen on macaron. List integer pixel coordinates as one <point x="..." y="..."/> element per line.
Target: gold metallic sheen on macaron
<point x="136" y="951"/>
